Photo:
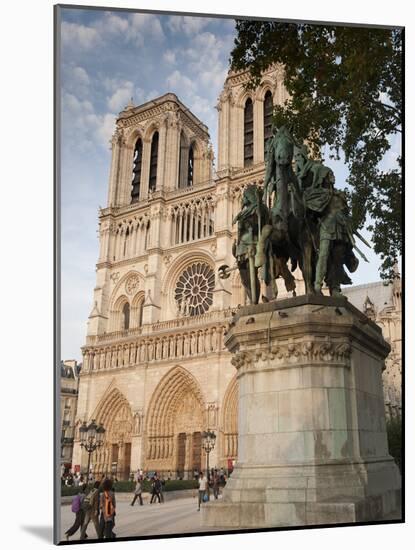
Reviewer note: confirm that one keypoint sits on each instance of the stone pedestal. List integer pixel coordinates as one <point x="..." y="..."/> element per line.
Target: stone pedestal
<point x="312" y="445"/>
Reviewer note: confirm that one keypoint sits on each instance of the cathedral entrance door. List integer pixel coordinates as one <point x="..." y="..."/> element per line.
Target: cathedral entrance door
<point x="197" y="451"/>
<point x="181" y="454"/>
<point x="127" y="461"/>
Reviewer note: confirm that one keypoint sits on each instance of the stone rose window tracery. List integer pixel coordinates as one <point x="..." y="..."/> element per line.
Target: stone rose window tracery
<point x="194" y="289"/>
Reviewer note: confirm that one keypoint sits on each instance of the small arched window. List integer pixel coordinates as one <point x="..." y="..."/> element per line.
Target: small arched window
<point x="126" y="316"/>
<point x="140" y="313"/>
<point x="268" y="109"/>
<point x="248" y="132"/>
<point x="190" y="167"/>
<point x="137" y="162"/>
<point x="147" y="235"/>
<point x="153" y="162"/>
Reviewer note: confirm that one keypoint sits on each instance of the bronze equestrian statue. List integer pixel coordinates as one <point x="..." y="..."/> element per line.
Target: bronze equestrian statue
<point x="300" y="218"/>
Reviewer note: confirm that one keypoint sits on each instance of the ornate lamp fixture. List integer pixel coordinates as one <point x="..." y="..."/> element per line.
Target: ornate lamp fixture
<point x="208" y="444"/>
<point x="92" y="437"/>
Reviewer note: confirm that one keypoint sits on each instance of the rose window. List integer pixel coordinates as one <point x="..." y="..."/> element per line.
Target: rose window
<point x="194" y="289"/>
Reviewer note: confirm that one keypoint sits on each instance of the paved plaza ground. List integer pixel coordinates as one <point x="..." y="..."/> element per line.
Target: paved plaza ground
<point x="174" y="516"/>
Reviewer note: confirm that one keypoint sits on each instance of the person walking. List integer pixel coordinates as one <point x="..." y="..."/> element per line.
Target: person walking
<point x="202" y="489"/>
<point x="90" y="506"/>
<point x="155" y="493"/>
<point x="79" y="514"/>
<point x="138" y="491"/>
<point x="216" y="481"/>
<point x="162" y="484"/>
<point x="107" y="506"/>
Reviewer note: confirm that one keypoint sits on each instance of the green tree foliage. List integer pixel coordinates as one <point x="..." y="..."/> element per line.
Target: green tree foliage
<point x="345" y="88"/>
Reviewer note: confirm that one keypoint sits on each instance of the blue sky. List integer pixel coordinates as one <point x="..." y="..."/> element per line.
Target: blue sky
<point x="107" y="57"/>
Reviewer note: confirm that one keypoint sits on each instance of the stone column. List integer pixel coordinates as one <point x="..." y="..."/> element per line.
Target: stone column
<point x="312" y="445"/>
<point x="145" y="169"/>
<point x="114" y="170"/>
<point x="161" y="159"/>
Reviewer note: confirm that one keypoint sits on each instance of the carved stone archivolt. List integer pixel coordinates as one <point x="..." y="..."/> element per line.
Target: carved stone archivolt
<point x="114" y="413"/>
<point x="295" y="352"/>
<point x="177" y="406"/>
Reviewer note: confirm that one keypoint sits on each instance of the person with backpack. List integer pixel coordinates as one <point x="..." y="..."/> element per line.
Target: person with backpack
<point x="107" y="506"/>
<point x="138" y="491"/>
<point x="90" y="506"/>
<point x="79" y="513"/>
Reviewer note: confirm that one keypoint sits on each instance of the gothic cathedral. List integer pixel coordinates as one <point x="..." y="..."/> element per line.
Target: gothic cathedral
<point x="155" y="371"/>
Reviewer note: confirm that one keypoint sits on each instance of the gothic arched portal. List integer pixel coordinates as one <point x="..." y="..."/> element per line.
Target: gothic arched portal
<point x="114" y="412"/>
<point x="175" y="421"/>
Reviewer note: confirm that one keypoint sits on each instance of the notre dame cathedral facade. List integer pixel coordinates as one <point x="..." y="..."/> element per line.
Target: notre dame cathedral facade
<point x="155" y="371"/>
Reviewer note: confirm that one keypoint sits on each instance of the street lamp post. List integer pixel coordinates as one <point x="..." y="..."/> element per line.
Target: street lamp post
<point x="92" y="437"/>
<point x="208" y="442"/>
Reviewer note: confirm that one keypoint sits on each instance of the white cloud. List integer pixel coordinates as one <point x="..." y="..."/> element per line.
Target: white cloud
<point x="187" y="24"/>
<point x="152" y="94"/>
<point x="121" y="96"/>
<point x="169" y="57"/>
<point x="82" y="128"/>
<point x="75" y="35"/>
<point x="80" y="75"/>
<point x="177" y="82"/>
<point x="76" y="80"/>
<point x="113" y="23"/>
<point x="142" y="25"/>
<point x="105" y="129"/>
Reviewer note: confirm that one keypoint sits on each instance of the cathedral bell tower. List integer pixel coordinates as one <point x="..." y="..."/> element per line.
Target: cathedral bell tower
<point x="157" y="148"/>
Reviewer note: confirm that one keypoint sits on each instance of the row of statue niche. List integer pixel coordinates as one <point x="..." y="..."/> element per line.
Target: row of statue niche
<point x="183" y="345"/>
<point x="298" y="218"/>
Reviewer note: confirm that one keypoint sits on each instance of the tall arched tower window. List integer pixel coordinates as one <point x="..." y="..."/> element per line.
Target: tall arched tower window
<point x="248" y="132"/>
<point x="268" y="108"/>
<point x="153" y="162"/>
<point x="190" y="167"/>
<point x="126" y="316"/>
<point x="138" y="157"/>
<point x="183" y="156"/>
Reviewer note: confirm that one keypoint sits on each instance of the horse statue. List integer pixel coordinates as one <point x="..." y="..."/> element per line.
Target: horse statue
<point x="281" y="239"/>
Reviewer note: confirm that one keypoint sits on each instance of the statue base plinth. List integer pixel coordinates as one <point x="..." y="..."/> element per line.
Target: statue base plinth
<point x="312" y="444"/>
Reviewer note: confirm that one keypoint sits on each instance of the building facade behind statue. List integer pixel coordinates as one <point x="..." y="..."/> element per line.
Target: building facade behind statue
<point x="69" y="386"/>
<point x="155" y="370"/>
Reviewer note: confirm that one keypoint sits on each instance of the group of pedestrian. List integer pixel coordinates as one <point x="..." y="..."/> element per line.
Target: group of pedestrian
<point x="157" y="485"/>
<point x="157" y="489"/>
<point x="214" y="480"/>
<point x="98" y="505"/>
<point x="73" y="480"/>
